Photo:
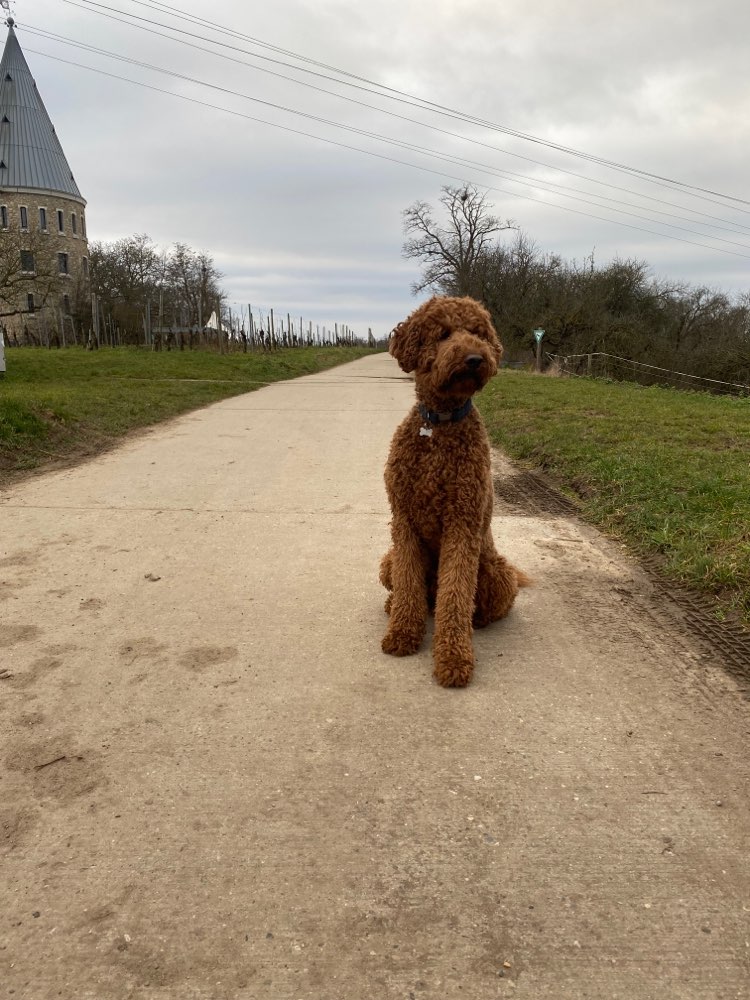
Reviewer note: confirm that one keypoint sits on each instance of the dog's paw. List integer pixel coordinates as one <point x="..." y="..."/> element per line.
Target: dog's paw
<point x="453" y="671"/>
<point x="399" y="644"/>
<point x="482" y="619"/>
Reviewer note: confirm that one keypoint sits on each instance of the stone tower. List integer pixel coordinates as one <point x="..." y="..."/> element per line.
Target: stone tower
<point x="43" y="244"/>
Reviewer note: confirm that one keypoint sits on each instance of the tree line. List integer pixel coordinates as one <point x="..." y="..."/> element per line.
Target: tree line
<point x="618" y="308"/>
<point x="174" y="298"/>
<point x="141" y="291"/>
<point x="135" y="293"/>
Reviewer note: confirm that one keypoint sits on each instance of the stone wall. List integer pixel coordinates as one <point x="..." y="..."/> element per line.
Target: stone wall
<point x="46" y="244"/>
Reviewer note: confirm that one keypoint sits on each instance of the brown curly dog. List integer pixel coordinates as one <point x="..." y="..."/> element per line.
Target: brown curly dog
<point x="439" y="485"/>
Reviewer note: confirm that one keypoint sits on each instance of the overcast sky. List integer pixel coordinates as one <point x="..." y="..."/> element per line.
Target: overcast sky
<point x="303" y="225"/>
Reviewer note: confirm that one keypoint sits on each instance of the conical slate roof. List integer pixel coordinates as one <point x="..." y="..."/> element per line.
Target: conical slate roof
<point x="30" y="152"/>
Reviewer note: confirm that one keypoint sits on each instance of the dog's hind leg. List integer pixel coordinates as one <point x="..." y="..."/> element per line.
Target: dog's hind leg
<point x="497" y="585"/>
<point x="386" y="578"/>
<point x="407" y="604"/>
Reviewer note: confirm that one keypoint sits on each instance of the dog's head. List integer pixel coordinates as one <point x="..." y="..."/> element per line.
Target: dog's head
<point x="451" y="346"/>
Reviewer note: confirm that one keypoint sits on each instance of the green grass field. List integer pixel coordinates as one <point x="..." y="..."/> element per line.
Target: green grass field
<point x="63" y="405"/>
<point x="666" y="472"/>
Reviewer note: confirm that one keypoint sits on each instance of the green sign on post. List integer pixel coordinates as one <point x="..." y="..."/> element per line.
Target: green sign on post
<point x="538" y="334"/>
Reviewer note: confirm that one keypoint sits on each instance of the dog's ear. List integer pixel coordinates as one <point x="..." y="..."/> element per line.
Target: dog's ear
<point x="490" y="334"/>
<point x="497" y="347"/>
<point x="405" y="344"/>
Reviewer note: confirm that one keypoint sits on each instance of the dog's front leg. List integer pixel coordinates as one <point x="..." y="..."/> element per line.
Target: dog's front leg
<point x="408" y="610"/>
<point x="453" y="652"/>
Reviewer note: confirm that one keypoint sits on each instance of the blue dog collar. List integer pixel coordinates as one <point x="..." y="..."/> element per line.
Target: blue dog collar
<point x="445" y="417"/>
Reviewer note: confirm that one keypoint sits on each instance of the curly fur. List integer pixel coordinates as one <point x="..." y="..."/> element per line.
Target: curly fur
<point x="443" y="557"/>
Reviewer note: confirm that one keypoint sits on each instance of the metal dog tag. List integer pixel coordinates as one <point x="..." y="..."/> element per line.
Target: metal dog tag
<point x="425" y="432"/>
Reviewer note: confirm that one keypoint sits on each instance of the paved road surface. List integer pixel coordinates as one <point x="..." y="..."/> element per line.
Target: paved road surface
<point x="214" y="785"/>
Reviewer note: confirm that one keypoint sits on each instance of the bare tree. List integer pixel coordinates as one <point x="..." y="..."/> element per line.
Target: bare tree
<point x="29" y="273"/>
<point x="193" y="282"/>
<point x="450" y="252"/>
<point x="132" y="276"/>
<point x="125" y="276"/>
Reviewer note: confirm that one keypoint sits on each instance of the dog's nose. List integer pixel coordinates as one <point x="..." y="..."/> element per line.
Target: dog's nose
<point x="473" y="360"/>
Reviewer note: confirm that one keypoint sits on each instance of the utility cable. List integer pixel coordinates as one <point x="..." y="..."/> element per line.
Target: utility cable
<point x="413" y="121"/>
<point x="381" y="156"/>
<point x="458" y="161"/>
<point x="385" y="91"/>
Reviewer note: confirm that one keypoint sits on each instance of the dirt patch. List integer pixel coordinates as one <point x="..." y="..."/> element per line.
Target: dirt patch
<point x="8" y="590"/>
<point x="56" y="767"/>
<point x="13" y="634"/>
<point x="15" y="824"/>
<point x="38" y="669"/>
<point x="143" y="648"/>
<point x="202" y="657"/>
<point x="529" y="494"/>
<point x="19" y="559"/>
<point x="92" y="604"/>
<point x="30" y="719"/>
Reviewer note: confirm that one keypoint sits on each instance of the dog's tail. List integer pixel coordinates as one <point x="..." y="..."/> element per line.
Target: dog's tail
<point x="523" y="579"/>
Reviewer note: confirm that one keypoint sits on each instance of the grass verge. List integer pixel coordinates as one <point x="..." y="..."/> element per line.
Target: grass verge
<point x="666" y="472"/>
<point x="60" y="406"/>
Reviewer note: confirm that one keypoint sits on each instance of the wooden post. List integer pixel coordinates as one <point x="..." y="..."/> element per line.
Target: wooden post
<point x="161" y="316"/>
<point x="95" y="321"/>
<point x="102" y="318"/>
<point x="588" y="364"/>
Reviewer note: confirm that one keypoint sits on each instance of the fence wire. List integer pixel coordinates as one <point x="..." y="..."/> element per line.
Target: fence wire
<point x="599" y="364"/>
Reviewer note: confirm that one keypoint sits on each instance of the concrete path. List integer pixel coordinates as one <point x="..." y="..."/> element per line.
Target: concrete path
<point x="214" y="785"/>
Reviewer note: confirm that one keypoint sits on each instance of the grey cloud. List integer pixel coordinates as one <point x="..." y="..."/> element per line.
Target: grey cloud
<point x="318" y="227"/>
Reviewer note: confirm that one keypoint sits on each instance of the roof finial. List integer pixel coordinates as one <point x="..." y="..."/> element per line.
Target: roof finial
<point x="5" y="4"/>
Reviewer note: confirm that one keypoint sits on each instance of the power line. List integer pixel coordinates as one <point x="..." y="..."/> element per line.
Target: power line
<point x="413" y="121"/>
<point x="94" y="7"/>
<point x="379" y="156"/>
<point x="456" y="160"/>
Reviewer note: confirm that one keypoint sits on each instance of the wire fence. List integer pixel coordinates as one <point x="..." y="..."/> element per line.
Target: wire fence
<point x="599" y="364"/>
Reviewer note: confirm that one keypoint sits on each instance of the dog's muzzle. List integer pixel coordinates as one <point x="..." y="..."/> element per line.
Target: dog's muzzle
<point x="471" y="371"/>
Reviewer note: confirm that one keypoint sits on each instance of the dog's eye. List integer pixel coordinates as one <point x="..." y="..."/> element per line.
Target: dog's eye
<point x="445" y="334"/>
